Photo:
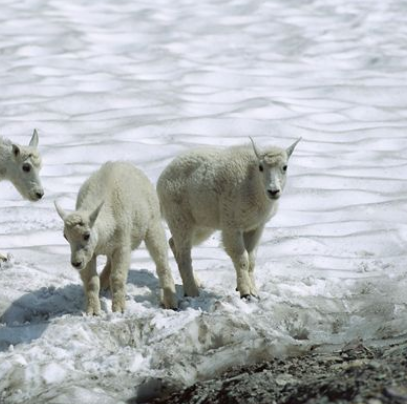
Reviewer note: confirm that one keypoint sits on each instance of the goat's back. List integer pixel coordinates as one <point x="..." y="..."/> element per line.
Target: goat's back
<point x="126" y="191"/>
<point x="205" y="183"/>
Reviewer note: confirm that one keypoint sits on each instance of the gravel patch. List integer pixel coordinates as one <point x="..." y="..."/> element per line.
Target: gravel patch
<point x="353" y="374"/>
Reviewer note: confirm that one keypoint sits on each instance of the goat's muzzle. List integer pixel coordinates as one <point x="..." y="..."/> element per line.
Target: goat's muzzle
<point x="273" y="193"/>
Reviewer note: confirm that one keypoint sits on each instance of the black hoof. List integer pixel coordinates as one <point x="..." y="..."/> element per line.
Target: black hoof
<point x="169" y="308"/>
<point x="250" y="297"/>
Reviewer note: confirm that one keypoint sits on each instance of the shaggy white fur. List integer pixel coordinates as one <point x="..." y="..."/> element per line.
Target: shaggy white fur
<point x="116" y="209"/>
<point x="21" y="166"/>
<point x="235" y="190"/>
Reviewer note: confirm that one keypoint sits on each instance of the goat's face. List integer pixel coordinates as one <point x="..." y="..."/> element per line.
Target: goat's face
<point x="80" y="233"/>
<point x="24" y="170"/>
<point x="273" y="170"/>
<point x="272" y="167"/>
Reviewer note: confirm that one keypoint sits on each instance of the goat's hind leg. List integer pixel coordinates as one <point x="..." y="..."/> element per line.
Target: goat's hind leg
<point x="105" y="275"/>
<point x="200" y="235"/>
<point x="181" y="245"/>
<point x="157" y="247"/>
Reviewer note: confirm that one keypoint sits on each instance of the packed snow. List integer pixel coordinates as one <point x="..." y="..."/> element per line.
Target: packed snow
<point x="145" y="80"/>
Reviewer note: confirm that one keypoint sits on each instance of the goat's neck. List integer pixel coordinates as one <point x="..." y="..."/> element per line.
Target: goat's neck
<point x="104" y="232"/>
<point x="257" y="187"/>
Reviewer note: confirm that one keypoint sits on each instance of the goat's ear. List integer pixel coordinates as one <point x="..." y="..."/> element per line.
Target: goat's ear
<point x="255" y="149"/>
<point x="60" y="211"/>
<point x="94" y="215"/>
<point x="290" y="149"/>
<point x="34" y="139"/>
<point x="16" y="150"/>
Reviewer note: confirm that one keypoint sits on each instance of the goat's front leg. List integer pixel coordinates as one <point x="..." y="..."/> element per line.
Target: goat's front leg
<point x="91" y="284"/>
<point x="234" y="247"/>
<point x="120" y="263"/>
<point x="251" y="239"/>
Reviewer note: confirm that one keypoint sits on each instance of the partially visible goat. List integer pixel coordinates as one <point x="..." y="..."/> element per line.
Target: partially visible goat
<point x="21" y="166"/>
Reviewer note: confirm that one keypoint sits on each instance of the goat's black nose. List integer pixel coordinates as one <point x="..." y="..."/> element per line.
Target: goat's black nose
<point x="273" y="192"/>
<point x="76" y="264"/>
<point x="39" y="194"/>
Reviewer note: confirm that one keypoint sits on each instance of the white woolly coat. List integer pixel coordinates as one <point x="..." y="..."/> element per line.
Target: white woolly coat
<point x="119" y="185"/>
<point x="217" y="189"/>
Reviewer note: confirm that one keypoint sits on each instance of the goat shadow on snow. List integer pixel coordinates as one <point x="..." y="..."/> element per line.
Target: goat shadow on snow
<point x="144" y="278"/>
<point x="26" y="319"/>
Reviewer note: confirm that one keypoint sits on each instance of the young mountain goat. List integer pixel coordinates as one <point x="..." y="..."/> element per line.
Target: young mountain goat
<point x="116" y="209"/>
<point x="21" y="166"/>
<point x="235" y="190"/>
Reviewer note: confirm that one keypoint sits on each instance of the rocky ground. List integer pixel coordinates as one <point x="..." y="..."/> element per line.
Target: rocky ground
<point x="353" y="374"/>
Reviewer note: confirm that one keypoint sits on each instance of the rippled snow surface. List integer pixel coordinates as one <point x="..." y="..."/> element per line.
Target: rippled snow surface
<point x="145" y="80"/>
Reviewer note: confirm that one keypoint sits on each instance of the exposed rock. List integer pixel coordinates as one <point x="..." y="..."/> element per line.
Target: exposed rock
<point x="353" y="374"/>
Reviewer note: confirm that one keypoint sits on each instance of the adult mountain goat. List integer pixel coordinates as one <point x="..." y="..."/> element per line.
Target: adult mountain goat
<point x="116" y="209"/>
<point x="235" y="190"/>
<point x="21" y="166"/>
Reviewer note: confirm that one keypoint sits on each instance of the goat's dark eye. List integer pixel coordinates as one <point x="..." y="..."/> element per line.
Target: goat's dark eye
<point x="261" y="168"/>
<point x="285" y="168"/>
<point x="26" y="168"/>
<point x="86" y="236"/>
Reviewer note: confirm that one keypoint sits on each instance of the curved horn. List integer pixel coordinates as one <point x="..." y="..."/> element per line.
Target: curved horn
<point x="60" y="211"/>
<point x="290" y="149"/>
<point x="256" y="151"/>
<point x="34" y="139"/>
